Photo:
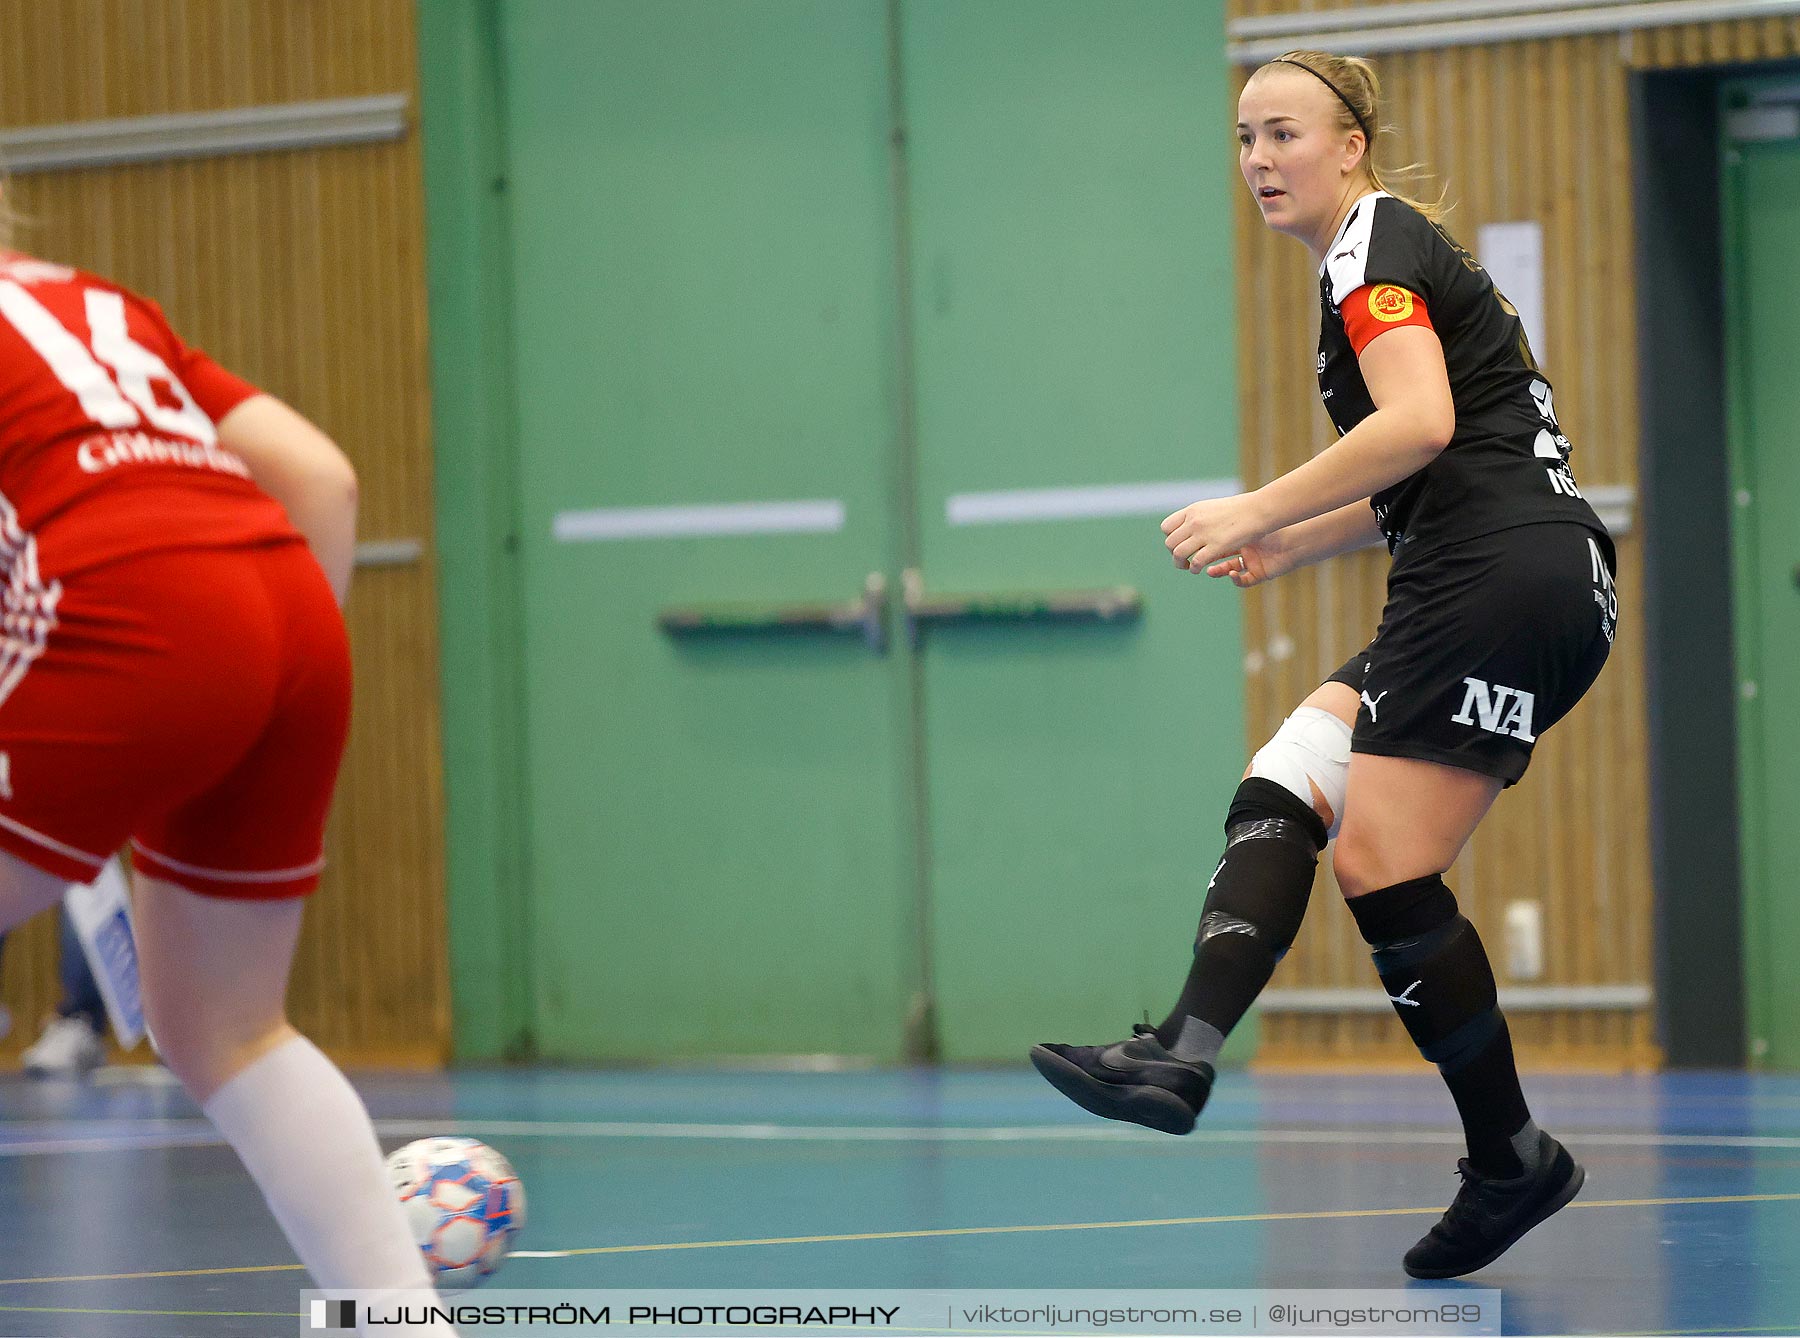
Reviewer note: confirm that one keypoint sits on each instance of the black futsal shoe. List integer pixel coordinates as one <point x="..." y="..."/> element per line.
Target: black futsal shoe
<point x="1135" y="1080"/>
<point x="1490" y="1215"/>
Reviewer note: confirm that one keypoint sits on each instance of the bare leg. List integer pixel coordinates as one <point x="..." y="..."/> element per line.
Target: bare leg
<point x="24" y="891"/>
<point x="215" y="979"/>
<point x="215" y="975"/>
<point x="1406" y="818"/>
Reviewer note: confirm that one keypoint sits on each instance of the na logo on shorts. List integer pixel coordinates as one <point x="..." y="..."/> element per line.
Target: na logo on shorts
<point x="1491" y="710"/>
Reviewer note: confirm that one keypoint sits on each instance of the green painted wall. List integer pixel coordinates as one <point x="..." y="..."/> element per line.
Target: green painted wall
<point x="1070" y="167"/>
<point x="469" y="279"/>
<point x="1761" y="196"/>
<point x="719" y="830"/>
<point x="879" y="253"/>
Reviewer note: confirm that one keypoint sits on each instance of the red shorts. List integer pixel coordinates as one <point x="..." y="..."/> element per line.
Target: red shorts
<point x="195" y="703"/>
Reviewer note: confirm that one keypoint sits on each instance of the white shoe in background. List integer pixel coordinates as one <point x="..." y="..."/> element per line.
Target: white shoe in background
<point x="67" y="1049"/>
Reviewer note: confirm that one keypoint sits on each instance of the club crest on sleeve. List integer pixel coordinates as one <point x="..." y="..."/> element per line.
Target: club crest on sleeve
<point x="1390" y="303"/>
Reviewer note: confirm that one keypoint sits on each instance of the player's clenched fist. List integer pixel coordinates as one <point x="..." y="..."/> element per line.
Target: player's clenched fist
<point x="1204" y="534"/>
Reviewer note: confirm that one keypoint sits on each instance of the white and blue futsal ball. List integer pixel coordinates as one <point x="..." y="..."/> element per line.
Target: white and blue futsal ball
<point x="464" y="1204"/>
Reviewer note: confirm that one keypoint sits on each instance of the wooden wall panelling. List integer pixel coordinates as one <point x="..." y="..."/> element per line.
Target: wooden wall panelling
<point x="303" y="271"/>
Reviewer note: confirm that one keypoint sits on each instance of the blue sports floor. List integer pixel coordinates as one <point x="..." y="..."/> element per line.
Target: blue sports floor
<point x="125" y="1216"/>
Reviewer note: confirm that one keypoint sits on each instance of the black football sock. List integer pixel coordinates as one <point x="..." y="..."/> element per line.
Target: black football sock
<point x="1254" y="905"/>
<point x="1437" y="974"/>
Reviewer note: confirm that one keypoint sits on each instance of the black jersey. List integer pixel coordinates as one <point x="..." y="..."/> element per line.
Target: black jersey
<point x="1507" y="463"/>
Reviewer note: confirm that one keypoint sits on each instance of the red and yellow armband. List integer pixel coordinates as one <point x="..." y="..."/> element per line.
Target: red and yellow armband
<point x="1378" y="307"/>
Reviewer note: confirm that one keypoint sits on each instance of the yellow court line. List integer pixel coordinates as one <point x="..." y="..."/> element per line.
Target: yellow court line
<point x="1144" y="1222"/>
<point x="936" y="1232"/>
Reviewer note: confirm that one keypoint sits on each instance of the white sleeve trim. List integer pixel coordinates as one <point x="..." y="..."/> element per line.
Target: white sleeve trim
<point x="1347" y="258"/>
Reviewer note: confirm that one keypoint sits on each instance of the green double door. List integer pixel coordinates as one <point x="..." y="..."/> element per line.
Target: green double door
<point x="856" y="351"/>
<point x="1762" y="246"/>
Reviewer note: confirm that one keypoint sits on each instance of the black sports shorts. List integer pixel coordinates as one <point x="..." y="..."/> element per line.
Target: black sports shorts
<point x="1483" y="645"/>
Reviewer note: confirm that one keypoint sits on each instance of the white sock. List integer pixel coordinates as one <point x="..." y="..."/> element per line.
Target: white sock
<point x="305" y="1137"/>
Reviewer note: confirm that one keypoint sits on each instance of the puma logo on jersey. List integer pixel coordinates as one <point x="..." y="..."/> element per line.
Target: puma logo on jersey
<point x="1351" y="252"/>
<point x="1402" y="997"/>
<point x="1497" y="709"/>
<point x="1372" y="703"/>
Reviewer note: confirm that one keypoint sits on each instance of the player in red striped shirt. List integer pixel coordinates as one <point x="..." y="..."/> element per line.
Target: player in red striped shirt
<point x="174" y="673"/>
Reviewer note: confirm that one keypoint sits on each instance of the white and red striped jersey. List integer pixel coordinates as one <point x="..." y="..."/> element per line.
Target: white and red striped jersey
<point x="108" y="443"/>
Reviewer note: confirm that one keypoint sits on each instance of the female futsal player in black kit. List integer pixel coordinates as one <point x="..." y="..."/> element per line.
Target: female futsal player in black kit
<point x="1500" y="612"/>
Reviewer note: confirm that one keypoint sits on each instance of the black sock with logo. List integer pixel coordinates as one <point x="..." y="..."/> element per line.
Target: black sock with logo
<point x="1254" y="906"/>
<point x="1437" y="974"/>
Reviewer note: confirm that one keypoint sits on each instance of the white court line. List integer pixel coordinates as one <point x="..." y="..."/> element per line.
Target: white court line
<point x="199" y="1133"/>
<point x="1028" y="1134"/>
<point x="709" y="521"/>
<point x="1019" y="506"/>
<point x="39" y="1147"/>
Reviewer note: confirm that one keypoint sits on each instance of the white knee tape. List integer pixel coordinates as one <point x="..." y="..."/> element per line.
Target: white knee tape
<point x="1311" y="745"/>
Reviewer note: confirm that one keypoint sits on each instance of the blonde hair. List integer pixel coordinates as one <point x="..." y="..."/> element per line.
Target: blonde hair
<point x="1358" y="91"/>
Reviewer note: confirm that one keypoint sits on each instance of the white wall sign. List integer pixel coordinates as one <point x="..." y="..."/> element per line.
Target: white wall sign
<point x="1513" y="256"/>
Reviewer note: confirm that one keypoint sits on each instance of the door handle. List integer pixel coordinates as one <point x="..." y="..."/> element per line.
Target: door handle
<point x="867" y="617"/>
<point x="1113" y="603"/>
